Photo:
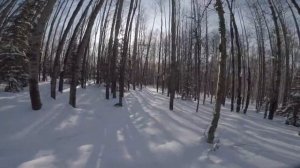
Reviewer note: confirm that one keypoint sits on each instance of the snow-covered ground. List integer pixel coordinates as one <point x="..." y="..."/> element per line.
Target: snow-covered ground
<point x="142" y="134"/>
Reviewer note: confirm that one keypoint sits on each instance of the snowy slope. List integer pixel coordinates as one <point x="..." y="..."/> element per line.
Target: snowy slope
<point x="142" y="134"/>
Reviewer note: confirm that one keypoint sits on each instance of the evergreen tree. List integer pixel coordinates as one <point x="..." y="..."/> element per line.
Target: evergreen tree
<point x="14" y="45"/>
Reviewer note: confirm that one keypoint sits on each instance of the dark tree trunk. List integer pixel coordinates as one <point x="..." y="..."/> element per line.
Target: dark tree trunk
<point x="110" y="52"/>
<point x="221" y="75"/>
<point x="239" y="59"/>
<point x="34" y="52"/>
<point x="206" y="57"/>
<point x="80" y="52"/>
<point x="173" y="56"/>
<point x="135" y="50"/>
<point x="232" y="58"/>
<point x="101" y="46"/>
<point x="287" y="57"/>
<point x="277" y="66"/>
<point x="60" y="48"/>
<point x="160" y="47"/>
<point x="248" y="91"/>
<point x="115" y="50"/>
<point x="70" y="47"/>
<point x="44" y="76"/>
<point x="130" y="16"/>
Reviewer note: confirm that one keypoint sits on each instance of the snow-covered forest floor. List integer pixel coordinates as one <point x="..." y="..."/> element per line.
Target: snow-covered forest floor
<point x="142" y="134"/>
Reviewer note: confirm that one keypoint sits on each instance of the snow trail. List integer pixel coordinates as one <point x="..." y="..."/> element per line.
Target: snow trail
<point x="142" y="133"/>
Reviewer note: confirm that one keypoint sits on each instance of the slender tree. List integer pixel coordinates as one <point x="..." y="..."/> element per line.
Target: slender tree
<point x="206" y="57"/>
<point x="145" y="68"/>
<point x="71" y="45"/>
<point x="101" y="46"/>
<point x="115" y="49"/>
<point x="80" y="51"/>
<point x="173" y="56"/>
<point x="47" y="44"/>
<point x="221" y="73"/>
<point x="232" y="56"/>
<point x="60" y="49"/>
<point x="35" y="51"/>
<point x="110" y="52"/>
<point x="131" y="13"/>
<point x="239" y="56"/>
<point x="135" y="48"/>
<point x="276" y="66"/>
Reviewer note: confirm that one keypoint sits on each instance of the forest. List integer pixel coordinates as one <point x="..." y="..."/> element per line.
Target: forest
<point x="149" y="83"/>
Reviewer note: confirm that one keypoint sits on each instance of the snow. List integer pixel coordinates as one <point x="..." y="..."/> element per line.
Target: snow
<point x="142" y="134"/>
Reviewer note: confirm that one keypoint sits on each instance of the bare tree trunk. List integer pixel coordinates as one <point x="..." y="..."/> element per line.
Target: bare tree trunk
<point x="173" y="56"/>
<point x="248" y="97"/>
<point x="130" y="16"/>
<point x="34" y="52"/>
<point x="287" y="57"/>
<point x="239" y="57"/>
<point x="101" y="46"/>
<point x="135" y="49"/>
<point x="206" y="57"/>
<point x="232" y="57"/>
<point x="65" y="20"/>
<point x="277" y="66"/>
<point x="115" y="50"/>
<point x="53" y="45"/>
<point x="248" y="90"/>
<point x="58" y="28"/>
<point x="44" y="78"/>
<point x="70" y="47"/>
<point x="83" y="65"/>
<point x="270" y="92"/>
<point x="110" y="53"/>
<point x="80" y="52"/>
<point x="145" y="69"/>
<point x="60" y="48"/>
<point x="160" y="46"/>
<point x="164" y="80"/>
<point x="198" y="51"/>
<point x="221" y="75"/>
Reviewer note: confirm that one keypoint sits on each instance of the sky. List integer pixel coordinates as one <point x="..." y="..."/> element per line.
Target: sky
<point x="151" y="9"/>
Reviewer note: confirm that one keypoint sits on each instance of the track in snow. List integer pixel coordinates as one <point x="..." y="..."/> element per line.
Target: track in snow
<point x="143" y="133"/>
